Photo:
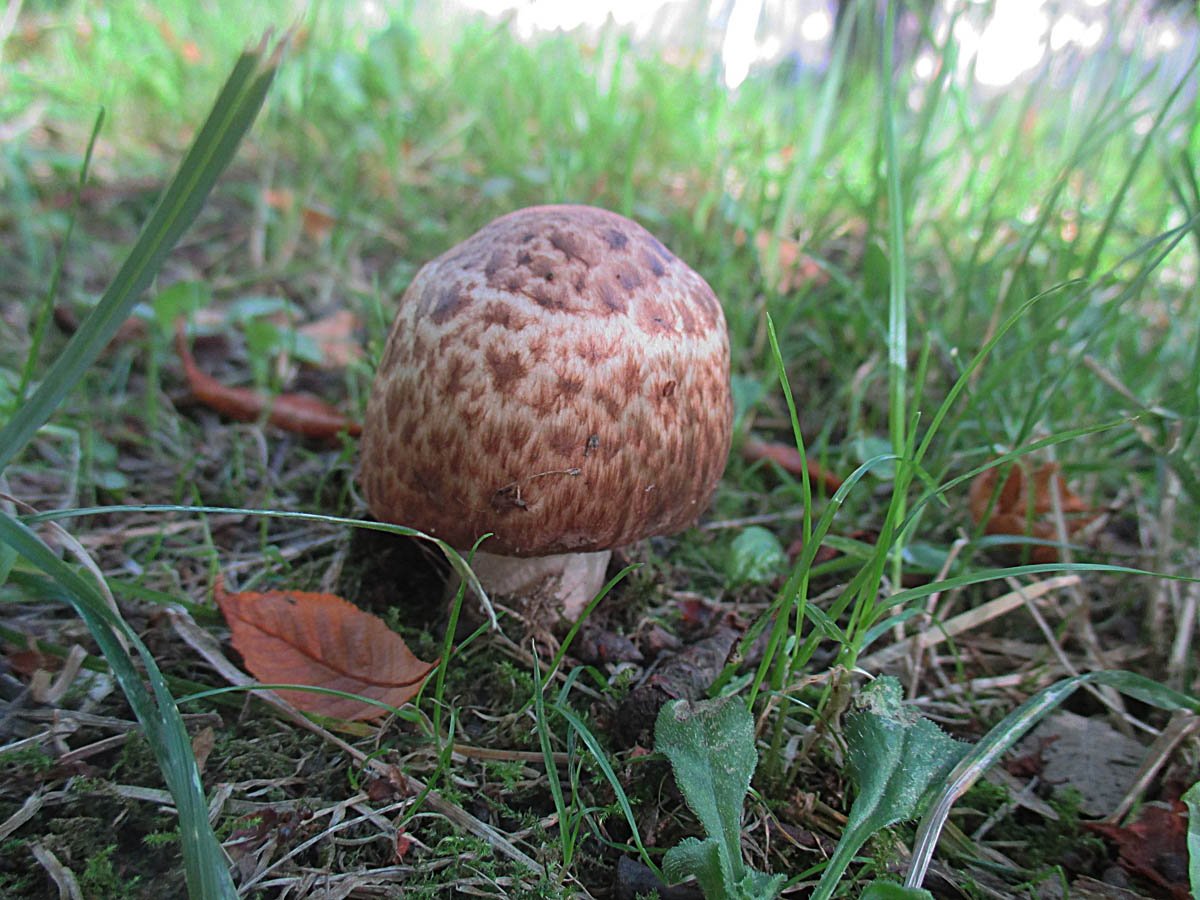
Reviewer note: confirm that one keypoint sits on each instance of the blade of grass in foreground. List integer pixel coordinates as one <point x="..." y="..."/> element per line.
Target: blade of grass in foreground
<point x="232" y="113"/>
<point x="1010" y="730"/>
<point x="42" y="319"/>
<point x="204" y="862"/>
<point x="211" y="151"/>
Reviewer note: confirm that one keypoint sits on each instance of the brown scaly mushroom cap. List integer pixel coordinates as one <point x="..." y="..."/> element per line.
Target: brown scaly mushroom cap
<point x="559" y="379"/>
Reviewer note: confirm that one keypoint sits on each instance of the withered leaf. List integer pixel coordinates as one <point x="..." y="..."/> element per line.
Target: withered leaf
<point x="1153" y="847"/>
<point x="1025" y="505"/>
<point x="299" y="413"/>
<point x="294" y="637"/>
<point x="318" y="222"/>
<point x="334" y="334"/>
<point x="787" y="457"/>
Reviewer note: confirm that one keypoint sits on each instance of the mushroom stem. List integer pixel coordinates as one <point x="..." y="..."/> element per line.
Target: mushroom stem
<point x="565" y="583"/>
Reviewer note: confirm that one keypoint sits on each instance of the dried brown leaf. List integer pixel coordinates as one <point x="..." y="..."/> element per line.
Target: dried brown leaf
<point x="1154" y="847"/>
<point x="1025" y="505"/>
<point x="202" y="745"/>
<point x="293" y="637"/>
<point x="787" y="457"/>
<point x="299" y="413"/>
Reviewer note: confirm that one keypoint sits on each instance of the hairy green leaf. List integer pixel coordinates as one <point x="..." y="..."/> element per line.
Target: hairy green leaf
<point x="1192" y="798"/>
<point x="711" y="747"/>
<point x="894" y="757"/>
<point x="755" y="557"/>
<point x="710" y="744"/>
<point x="704" y="859"/>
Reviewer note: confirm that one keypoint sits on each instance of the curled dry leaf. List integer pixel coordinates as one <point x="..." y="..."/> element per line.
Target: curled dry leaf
<point x="787" y="457"/>
<point x="299" y="413"/>
<point x="1025" y="506"/>
<point x="293" y="637"/>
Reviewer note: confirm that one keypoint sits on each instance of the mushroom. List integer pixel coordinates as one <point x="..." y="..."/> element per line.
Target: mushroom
<point x="559" y="380"/>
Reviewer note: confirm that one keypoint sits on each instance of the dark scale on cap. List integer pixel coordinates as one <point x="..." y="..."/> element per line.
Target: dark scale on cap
<point x="560" y="379"/>
<point x="615" y="238"/>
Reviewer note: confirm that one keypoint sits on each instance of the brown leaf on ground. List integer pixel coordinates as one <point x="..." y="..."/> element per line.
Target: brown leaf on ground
<point x="188" y="50"/>
<point x="787" y="457"/>
<point x="293" y="637"/>
<point x="317" y="222"/>
<point x="30" y="659"/>
<point x="132" y="329"/>
<point x="403" y="844"/>
<point x="1153" y="847"/>
<point x="1025" y="506"/>
<point x="795" y="268"/>
<point x="202" y="745"/>
<point x="299" y="413"/>
<point x="685" y="676"/>
<point x="335" y="336"/>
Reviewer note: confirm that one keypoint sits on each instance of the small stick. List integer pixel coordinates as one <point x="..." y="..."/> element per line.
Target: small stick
<point x="972" y="618"/>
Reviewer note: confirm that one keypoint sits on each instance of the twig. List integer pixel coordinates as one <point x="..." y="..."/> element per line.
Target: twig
<point x="1081" y="613"/>
<point x="1185" y="623"/>
<point x="1181" y="726"/>
<point x="30" y="808"/>
<point x="64" y="878"/>
<point x="917" y="659"/>
<point x="968" y="620"/>
<point x="1102" y="695"/>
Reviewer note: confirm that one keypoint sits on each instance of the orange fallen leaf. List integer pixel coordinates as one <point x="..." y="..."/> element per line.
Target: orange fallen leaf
<point x="318" y="223"/>
<point x="281" y="199"/>
<point x="787" y="457"/>
<point x="335" y="337"/>
<point x="30" y="659"/>
<point x="403" y="844"/>
<point x="202" y="746"/>
<point x="1025" y="506"/>
<point x="299" y="413"/>
<point x="187" y="49"/>
<point x="796" y="269"/>
<point x="132" y="329"/>
<point x="321" y="640"/>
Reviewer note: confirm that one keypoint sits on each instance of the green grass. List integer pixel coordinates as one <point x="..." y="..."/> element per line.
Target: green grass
<point x="999" y="277"/>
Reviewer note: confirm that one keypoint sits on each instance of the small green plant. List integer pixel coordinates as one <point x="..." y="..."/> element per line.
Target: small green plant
<point x="1192" y="798"/>
<point x="710" y="744"/>
<point x="755" y="557"/>
<point x="101" y="879"/>
<point x="894" y="758"/>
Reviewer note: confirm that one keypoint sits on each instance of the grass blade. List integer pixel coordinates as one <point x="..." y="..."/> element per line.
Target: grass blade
<point x="204" y="861"/>
<point x="232" y="113"/>
<point x="1010" y="730"/>
<point x="211" y="151"/>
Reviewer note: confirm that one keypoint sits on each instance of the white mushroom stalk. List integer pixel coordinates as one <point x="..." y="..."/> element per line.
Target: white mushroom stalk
<point x="559" y="380"/>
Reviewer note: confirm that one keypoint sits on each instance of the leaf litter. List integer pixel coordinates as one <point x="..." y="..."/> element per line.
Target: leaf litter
<point x="321" y="640"/>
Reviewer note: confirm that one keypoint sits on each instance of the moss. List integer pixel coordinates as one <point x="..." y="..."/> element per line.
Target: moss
<point x="100" y="879"/>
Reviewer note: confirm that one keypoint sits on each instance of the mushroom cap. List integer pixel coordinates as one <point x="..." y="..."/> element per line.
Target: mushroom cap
<point x="559" y="379"/>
